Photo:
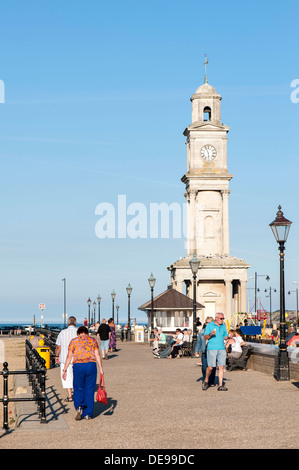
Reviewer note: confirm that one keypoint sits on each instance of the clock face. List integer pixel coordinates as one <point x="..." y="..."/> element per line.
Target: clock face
<point x="208" y="153"/>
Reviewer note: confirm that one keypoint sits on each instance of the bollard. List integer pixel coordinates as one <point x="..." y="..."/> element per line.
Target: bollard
<point x="43" y="396"/>
<point x="5" y="396"/>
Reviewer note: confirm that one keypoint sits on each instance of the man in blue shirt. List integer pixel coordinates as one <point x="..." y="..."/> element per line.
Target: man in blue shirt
<point x="215" y="335"/>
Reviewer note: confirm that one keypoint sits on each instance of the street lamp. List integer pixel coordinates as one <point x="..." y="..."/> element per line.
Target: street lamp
<point x="99" y="302"/>
<point x="94" y="313"/>
<point x="64" y="302"/>
<point x="194" y="265"/>
<point x="280" y="228"/>
<point x="88" y="303"/>
<point x="255" y="286"/>
<point x="129" y="292"/>
<point x="295" y="282"/>
<point x="113" y="295"/>
<point x="152" y="281"/>
<point x="270" y="296"/>
<point x="117" y="307"/>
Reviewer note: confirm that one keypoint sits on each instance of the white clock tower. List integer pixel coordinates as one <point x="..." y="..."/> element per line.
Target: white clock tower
<point x="221" y="278"/>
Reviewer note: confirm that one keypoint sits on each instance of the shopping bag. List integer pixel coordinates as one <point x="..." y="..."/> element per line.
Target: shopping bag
<point x="102" y="394"/>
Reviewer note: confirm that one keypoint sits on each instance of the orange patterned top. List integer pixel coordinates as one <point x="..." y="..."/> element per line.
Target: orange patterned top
<point x="83" y="348"/>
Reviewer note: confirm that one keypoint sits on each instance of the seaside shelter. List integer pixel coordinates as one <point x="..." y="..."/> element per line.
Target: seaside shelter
<point x="171" y="310"/>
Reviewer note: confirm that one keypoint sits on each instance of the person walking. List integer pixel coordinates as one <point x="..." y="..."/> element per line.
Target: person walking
<point x="112" y="342"/>
<point x="84" y="352"/>
<point x="203" y="351"/>
<point x="61" y="351"/>
<point x="104" y="334"/>
<point x="216" y="335"/>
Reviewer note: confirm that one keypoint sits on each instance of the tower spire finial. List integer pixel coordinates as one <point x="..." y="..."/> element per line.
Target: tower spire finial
<point x="205" y="64"/>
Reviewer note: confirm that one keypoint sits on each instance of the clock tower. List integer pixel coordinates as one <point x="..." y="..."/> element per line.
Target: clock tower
<point x="207" y="178"/>
<point x="221" y="278"/>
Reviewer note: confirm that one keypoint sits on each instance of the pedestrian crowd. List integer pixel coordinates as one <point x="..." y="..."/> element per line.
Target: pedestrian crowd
<point x="79" y="354"/>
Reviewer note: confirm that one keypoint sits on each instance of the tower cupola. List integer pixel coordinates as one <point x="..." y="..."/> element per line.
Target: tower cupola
<point x="206" y="105"/>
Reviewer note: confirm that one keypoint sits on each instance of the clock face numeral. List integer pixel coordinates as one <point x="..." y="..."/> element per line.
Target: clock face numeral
<point x="208" y="153"/>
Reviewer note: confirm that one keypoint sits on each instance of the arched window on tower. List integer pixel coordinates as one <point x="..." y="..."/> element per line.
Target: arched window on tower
<point x="207" y="113"/>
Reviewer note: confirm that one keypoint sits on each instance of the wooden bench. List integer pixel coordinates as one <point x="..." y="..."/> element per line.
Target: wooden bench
<point x="241" y="362"/>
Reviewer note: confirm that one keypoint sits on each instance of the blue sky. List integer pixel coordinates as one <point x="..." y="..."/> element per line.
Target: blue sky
<point x="97" y="96"/>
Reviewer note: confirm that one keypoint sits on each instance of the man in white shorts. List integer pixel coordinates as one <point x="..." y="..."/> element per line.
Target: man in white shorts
<point x="62" y="344"/>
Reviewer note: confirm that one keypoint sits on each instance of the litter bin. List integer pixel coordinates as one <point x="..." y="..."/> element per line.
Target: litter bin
<point x="44" y="352"/>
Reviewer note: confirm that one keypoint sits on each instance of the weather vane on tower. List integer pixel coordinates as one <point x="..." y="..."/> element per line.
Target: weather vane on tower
<point x="205" y="64"/>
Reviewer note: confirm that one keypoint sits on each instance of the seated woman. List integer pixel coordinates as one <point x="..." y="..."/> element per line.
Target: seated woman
<point x="236" y="341"/>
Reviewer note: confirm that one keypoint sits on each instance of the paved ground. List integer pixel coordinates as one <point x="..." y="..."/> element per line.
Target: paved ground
<point x="159" y="404"/>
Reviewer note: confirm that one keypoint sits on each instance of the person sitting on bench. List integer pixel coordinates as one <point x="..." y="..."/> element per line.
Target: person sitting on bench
<point x="236" y="341"/>
<point x="176" y="346"/>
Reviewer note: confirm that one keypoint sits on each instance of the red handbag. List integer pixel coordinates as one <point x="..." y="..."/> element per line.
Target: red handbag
<point x="102" y="394"/>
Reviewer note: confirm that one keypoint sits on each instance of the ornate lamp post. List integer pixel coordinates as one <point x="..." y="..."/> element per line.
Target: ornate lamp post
<point x="194" y="265"/>
<point x="113" y="295"/>
<point x="152" y="282"/>
<point x="129" y="292"/>
<point x="99" y="304"/>
<point x="89" y="304"/>
<point x="117" y="308"/>
<point x="280" y="228"/>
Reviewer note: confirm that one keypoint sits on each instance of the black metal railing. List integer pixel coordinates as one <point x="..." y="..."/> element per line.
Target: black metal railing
<point x="36" y="371"/>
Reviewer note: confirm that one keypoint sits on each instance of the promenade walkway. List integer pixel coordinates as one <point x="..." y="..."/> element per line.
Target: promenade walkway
<point x="159" y="404"/>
